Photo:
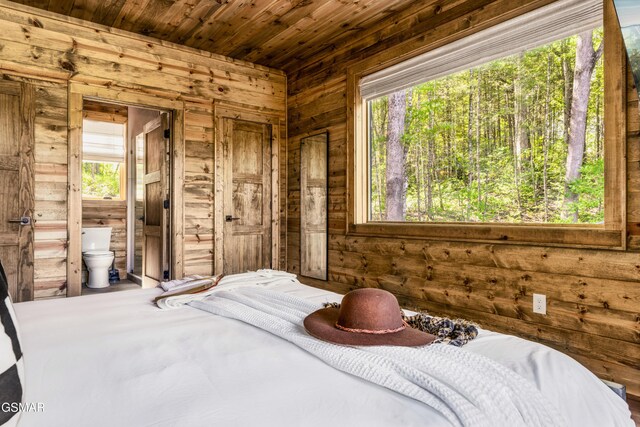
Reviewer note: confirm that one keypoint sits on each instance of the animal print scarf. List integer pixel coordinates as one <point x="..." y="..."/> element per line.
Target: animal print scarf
<point x="456" y="332"/>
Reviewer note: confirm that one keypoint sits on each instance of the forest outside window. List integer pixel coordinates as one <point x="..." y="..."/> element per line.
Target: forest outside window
<point x="515" y="133"/>
<point x="103" y="160"/>
<point x="517" y="139"/>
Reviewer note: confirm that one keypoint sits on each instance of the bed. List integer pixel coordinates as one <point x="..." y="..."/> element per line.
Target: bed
<point x="117" y="360"/>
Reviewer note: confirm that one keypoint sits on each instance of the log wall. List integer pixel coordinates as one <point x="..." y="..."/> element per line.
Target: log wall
<point x="62" y="52"/>
<point x="593" y="296"/>
<point x="50" y="214"/>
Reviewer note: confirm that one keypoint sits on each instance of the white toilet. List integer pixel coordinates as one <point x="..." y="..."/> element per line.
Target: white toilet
<point x="96" y="255"/>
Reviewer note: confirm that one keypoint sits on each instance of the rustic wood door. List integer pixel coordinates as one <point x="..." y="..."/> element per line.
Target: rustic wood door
<point x="247" y="195"/>
<point x="155" y="219"/>
<point x="313" y="206"/>
<point x="17" y="186"/>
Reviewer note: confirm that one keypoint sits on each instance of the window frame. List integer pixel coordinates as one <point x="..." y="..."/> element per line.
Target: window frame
<point x="111" y="118"/>
<point x="610" y="235"/>
<point x="123" y="183"/>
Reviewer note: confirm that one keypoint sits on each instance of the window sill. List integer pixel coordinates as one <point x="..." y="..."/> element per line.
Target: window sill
<point x="579" y="236"/>
<point x="103" y="202"/>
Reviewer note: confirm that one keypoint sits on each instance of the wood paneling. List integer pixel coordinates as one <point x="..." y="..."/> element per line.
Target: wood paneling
<point x="313" y="206"/>
<point x="247" y="196"/>
<point x="17" y="116"/>
<point x="198" y="190"/>
<point x="155" y="226"/>
<point x="50" y="214"/>
<point x="268" y="32"/>
<point x="66" y="56"/>
<point x="593" y="295"/>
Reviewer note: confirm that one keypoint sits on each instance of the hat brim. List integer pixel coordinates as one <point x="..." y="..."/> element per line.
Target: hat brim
<point x="321" y="324"/>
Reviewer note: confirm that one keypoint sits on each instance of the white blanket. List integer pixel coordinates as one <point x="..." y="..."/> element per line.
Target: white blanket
<point x="257" y="278"/>
<point x="115" y="359"/>
<point x="466" y="388"/>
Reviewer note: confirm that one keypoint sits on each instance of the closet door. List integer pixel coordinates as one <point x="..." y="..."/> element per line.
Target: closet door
<point x="247" y="195"/>
<point x="17" y="186"/>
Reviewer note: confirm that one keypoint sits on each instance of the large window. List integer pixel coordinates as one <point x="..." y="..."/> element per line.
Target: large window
<point x="516" y="140"/>
<point x="515" y="132"/>
<point x="504" y="126"/>
<point x="103" y="160"/>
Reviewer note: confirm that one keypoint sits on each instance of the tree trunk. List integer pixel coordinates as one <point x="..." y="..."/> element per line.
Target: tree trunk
<point x="478" y="180"/>
<point x="470" y="146"/>
<point x="547" y="136"/>
<point x="586" y="59"/>
<point x="396" y="175"/>
<point x="430" y="160"/>
<point x="520" y="108"/>
<point x="567" y="74"/>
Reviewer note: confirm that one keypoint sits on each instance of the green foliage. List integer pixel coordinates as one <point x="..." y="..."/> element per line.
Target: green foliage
<point x="590" y="187"/>
<point x="101" y="180"/>
<point x="462" y="159"/>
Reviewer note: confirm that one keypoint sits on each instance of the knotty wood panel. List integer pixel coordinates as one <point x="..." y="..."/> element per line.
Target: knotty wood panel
<point x="313" y="206"/>
<point x="50" y="210"/>
<point x="17" y="112"/>
<point x="590" y="292"/>
<point x="100" y="62"/>
<point x="247" y="195"/>
<point x="155" y="190"/>
<point x="265" y="32"/>
<point x="199" y="190"/>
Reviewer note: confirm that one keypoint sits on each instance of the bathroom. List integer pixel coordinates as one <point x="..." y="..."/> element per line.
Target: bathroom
<point x="124" y="180"/>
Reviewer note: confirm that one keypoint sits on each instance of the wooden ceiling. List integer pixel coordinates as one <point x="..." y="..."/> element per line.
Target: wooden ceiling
<point x="275" y="33"/>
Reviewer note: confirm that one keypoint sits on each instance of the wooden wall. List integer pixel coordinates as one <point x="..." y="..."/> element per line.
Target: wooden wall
<point x="199" y="190"/>
<point x="593" y="295"/>
<point x="50" y="215"/>
<point x="63" y="52"/>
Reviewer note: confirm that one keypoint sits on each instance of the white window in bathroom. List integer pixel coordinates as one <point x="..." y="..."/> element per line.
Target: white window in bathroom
<point x="103" y="160"/>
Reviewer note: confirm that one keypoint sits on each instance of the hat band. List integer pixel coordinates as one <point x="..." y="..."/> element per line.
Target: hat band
<point x="371" y="331"/>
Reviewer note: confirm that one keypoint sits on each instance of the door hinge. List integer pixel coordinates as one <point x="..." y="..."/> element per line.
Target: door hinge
<point x="167" y="133"/>
<point x="165" y="274"/>
<point x="165" y="204"/>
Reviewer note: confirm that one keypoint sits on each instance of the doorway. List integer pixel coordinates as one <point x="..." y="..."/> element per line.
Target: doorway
<point x="247" y="200"/>
<point x="125" y="190"/>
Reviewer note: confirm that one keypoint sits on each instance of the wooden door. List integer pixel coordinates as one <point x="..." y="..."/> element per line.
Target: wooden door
<point x="154" y="229"/>
<point x="17" y="186"/>
<point x="313" y="206"/>
<point x="247" y="195"/>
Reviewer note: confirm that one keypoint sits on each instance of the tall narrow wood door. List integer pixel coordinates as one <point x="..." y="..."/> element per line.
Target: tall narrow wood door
<point x="247" y="196"/>
<point x="313" y="206"/>
<point x="17" y="186"/>
<point x="154" y="229"/>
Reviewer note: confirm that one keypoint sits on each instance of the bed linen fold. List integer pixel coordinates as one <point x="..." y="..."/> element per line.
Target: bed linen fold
<point x="467" y="389"/>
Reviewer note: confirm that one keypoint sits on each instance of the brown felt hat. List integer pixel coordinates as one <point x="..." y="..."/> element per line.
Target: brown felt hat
<point x="366" y="317"/>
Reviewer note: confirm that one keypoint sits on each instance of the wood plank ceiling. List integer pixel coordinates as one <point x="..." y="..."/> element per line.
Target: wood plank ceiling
<point x="275" y="33"/>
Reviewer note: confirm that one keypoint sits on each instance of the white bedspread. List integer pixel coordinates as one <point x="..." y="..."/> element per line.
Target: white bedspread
<point x="466" y="388"/>
<point x="117" y="360"/>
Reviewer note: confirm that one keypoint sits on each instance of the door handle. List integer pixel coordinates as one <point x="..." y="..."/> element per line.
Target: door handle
<point x="25" y="220"/>
<point x="230" y="218"/>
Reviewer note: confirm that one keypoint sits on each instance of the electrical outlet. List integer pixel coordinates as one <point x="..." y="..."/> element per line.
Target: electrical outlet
<point x="540" y="304"/>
